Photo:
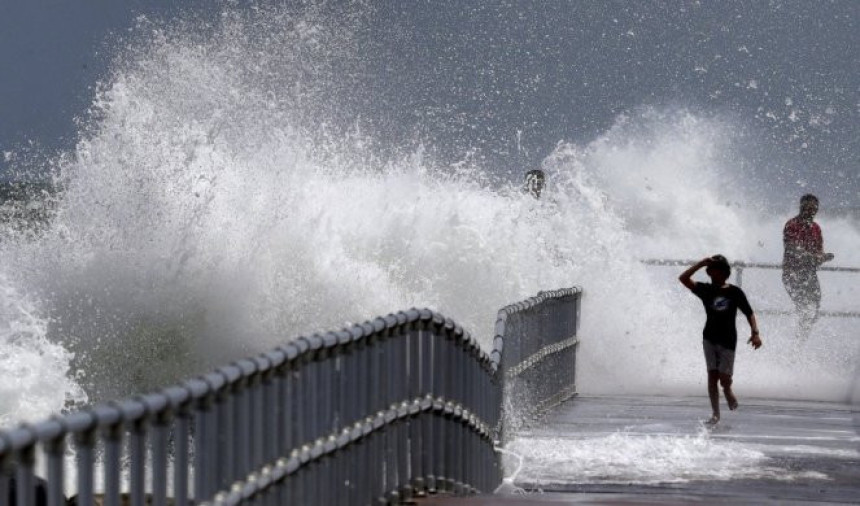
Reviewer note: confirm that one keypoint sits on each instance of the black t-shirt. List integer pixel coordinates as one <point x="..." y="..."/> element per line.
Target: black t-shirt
<point x="721" y="306"/>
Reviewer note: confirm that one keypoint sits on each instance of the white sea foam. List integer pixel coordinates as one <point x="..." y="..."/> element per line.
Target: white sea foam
<point x="35" y="372"/>
<point x="647" y="459"/>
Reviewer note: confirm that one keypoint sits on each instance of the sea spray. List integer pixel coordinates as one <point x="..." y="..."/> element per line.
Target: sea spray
<point x="225" y="198"/>
<point x="36" y="375"/>
<point x="625" y="458"/>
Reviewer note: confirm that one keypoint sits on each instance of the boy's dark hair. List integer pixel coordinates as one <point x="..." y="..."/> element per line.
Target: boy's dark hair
<point x="720" y="263"/>
<point x="808" y="198"/>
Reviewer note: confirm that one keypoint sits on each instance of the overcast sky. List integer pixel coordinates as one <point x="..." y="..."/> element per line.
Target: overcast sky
<point x="52" y="53"/>
<point x="790" y="70"/>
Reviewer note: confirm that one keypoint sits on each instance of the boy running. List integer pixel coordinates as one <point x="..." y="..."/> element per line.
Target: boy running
<point x="721" y="301"/>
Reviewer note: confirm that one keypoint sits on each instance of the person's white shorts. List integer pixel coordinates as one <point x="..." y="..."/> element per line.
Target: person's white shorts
<point x="719" y="358"/>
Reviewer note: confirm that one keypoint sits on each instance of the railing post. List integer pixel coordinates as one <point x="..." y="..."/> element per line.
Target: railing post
<point x="275" y="419"/>
<point x="303" y="397"/>
<point x="460" y="379"/>
<point x="286" y="378"/>
<point x="180" y="399"/>
<point x="402" y="362"/>
<point x="245" y="427"/>
<point x="363" y="472"/>
<point x="325" y="407"/>
<point x="25" y="490"/>
<point x="109" y="421"/>
<point x="315" y="419"/>
<point x="438" y="410"/>
<point x="261" y="412"/>
<point x="83" y="425"/>
<point x="397" y="430"/>
<point x="158" y="415"/>
<point x="449" y="393"/>
<point x="54" y="435"/>
<point x="134" y="413"/>
<point x="389" y="430"/>
<point x="428" y="384"/>
<point x="201" y="406"/>
<point x="6" y="467"/>
<point x="344" y="418"/>
<point x="414" y="391"/>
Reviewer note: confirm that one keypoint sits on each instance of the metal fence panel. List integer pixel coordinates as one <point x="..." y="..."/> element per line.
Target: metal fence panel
<point x="396" y="407"/>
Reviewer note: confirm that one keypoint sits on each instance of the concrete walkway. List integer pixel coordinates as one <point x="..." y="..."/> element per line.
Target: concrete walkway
<point x="656" y="450"/>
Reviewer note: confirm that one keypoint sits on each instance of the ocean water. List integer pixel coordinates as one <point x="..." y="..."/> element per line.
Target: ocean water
<point x="226" y="196"/>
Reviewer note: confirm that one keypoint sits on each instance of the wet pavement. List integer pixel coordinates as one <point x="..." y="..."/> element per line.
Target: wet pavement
<point x="656" y="450"/>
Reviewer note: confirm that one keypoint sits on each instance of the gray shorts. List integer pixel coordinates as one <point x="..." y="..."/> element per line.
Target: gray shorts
<point x="719" y="358"/>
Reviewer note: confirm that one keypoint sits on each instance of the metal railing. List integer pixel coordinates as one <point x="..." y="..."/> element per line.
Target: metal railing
<point x="539" y="360"/>
<point x="394" y="407"/>
<point x="738" y="270"/>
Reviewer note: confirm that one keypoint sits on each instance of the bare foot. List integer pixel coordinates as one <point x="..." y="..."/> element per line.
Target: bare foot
<point x="731" y="400"/>
<point x="713" y="420"/>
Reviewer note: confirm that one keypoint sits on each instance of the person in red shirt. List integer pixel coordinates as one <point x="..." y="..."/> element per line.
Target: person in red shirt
<point x="804" y="253"/>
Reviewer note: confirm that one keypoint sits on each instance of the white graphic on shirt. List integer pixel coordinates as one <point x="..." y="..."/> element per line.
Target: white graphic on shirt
<point x="720" y="303"/>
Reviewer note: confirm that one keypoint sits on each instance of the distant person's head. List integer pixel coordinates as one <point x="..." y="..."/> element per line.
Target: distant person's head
<point x="808" y="206"/>
<point x="718" y="269"/>
<point x="534" y="182"/>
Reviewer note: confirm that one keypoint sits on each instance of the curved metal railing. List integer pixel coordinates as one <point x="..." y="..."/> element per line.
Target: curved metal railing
<point x="397" y="406"/>
<point x="539" y="338"/>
